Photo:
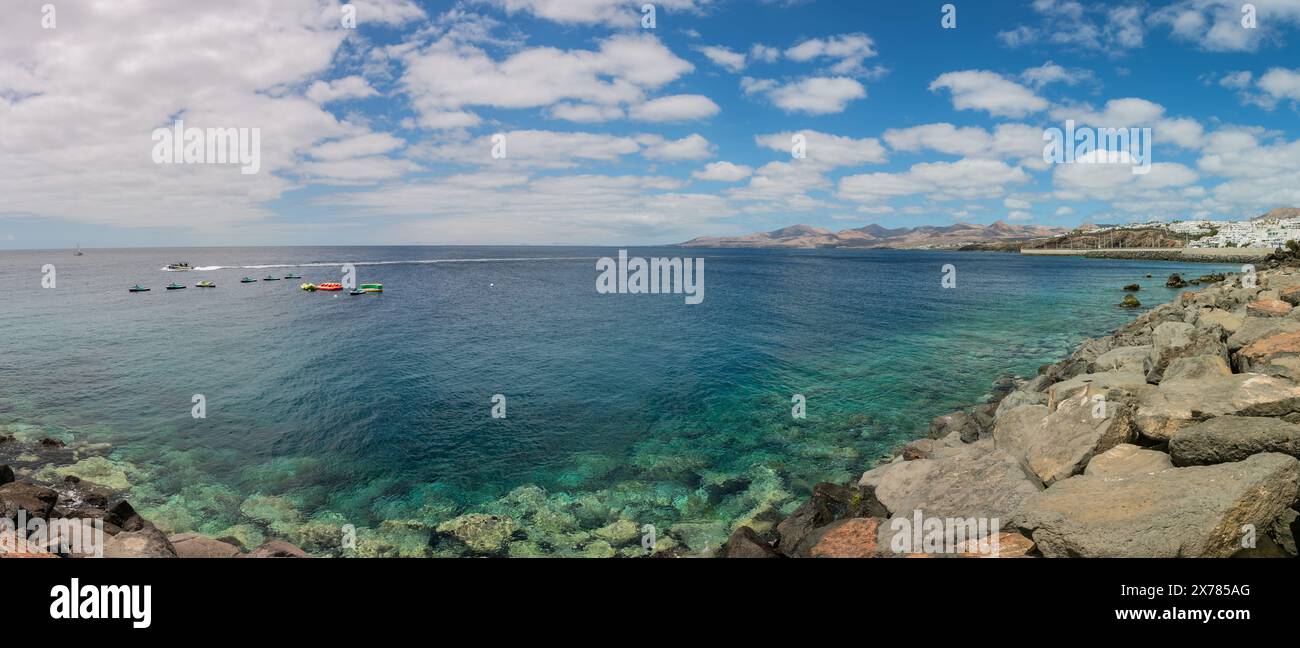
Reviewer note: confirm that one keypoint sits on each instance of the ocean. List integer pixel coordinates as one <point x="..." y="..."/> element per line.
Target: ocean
<point x="322" y="410"/>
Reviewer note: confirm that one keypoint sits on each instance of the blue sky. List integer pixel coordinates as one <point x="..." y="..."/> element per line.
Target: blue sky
<point x="618" y="134"/>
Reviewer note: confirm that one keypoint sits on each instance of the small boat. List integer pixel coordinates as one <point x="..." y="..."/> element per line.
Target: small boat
<point x="248" y="280"/>
<point x="356" y="291"/>
<point x="270" y="278"/>
<point x="330" y="286"/>
<point x="179" y="266"/>
<point x="372" y="287"/>
<point x="205" y="284"/>
<point x="175" y="286"/>
<point x="309" y="287"/>
<point x="78" y="252"/>
<point x="293" y="276"/>
<point x="137" y="288"/>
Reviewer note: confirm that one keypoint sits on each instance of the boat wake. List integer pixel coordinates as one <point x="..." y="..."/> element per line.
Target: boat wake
<point x="374" y="263"/>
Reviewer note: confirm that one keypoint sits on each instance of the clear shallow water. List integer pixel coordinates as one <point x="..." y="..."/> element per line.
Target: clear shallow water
<point x="374" y="410"/>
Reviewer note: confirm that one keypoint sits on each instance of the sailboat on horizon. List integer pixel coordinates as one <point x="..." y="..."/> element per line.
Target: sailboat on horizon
<point x="78" y="250"/>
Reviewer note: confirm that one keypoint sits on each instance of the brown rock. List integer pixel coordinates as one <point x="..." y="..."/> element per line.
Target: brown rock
<point x="6" y="474"/>
<point x="38" y="501"/>
<point x="148" y="542"/>
<point x="1268" y="308"/>
<point x="745" y="543"/>
<point x="851" y="538"/>
<point x="1290" y="295"/>
<point x="1260" y="352"/>
<point x="1009" y="544"/>
<point x="277" y="549"/>
<point x="193" y="545"/>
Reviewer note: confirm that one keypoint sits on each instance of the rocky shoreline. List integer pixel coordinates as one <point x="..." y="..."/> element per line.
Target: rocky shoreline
<point x="1175" y="436"/>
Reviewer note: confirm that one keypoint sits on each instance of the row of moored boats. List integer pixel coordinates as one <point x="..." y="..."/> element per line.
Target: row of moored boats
<point x="310" y="287"/>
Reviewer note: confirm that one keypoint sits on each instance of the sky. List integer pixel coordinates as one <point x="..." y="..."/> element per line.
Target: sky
<point x="617" y="132"/>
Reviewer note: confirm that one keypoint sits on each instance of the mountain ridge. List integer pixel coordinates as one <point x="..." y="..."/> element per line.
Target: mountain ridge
<point x="876" y="236"/>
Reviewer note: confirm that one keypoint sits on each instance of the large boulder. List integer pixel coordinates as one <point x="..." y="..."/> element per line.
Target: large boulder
<point x="848" y="538"/>
<point x="277" y="549"/>
<point x="1173" y="340"/>
<point x="6" y="474"/>
<point x="1257" y="328"/>
<point x="745" y="543"/>
<point x="1178" y="403"/>
<point x="1061" y="443"/>
<point x="829" y="502"/>
<point x="1132" y="358"/>
<point x="1197" y="511"/>
<point x="148" y="542"/>
<point x="1125" y="460"/>
<point x="1019" y="398"/>
<point x="193" y="545"/>
<point x="960" y="422"/>
<point x="1268" y="308"/>
<point x="1096" y="383"/>
<point x="1226" y="320"/>
<point x="1233" y="438"/>
<point x="1197" y="367"/>
<point x="978" y="480"/>
<point x="1262" y="352"/>
<point x="38" y="501"/>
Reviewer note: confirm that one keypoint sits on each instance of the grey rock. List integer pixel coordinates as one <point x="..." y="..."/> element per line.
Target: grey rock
<point x="1061" y="443"/>
<point x="1176" y="404"/>
<point x="148" y="542"/>
<point x="1098" y="383"/>
<point x="1173" y="340"/>
<point x="1233" y="438"/>
<point x="1132" y="358"/>
<point x="38" y="501"/>
<point x="1197" y="511"/>
<point x="745" y="543"/>
<point x="1197" y="367"/>
<point x="1125" y="460"/>
<point x="976" y="481"/>
<point x="1019" y="398"/>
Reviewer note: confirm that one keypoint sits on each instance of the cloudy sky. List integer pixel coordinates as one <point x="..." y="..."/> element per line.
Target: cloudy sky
<point x="619" y="134"/>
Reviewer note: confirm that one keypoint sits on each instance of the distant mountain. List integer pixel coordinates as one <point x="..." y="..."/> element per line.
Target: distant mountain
<point x="1279" y="213"/>
<point x="876" y="236"/>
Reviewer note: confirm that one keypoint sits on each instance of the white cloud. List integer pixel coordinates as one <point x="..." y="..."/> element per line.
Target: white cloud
<point x="358" y="146"/>
<point x="1097" y="27"/>
<point x="1006" y="140"/>
<point x="963" y="179"/>
<point x="1049" y="72"/>
<point x="1238" y="80"/>
<point x="761" y="52"/>
<point x="814" y="96"/>
<point x="691" y="147"/>
<point x="725" y="58"/>
<point x="585" y="113"/>
<point x="989" y="91"/>
<point x="826" y="150"/>
<point x="352" y="87"/>
<point x="723" y="172"/>
<point x="445" y="78"/>
<point x="674" y="108"/>
<point x="1215" y="25"/>
<point x="616" y="13"/>
<point x="147" y="63"/>
<point x="847" y="51"/>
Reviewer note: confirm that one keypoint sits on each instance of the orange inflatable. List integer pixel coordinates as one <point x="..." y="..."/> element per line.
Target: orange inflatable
<point x="330" y="286"/>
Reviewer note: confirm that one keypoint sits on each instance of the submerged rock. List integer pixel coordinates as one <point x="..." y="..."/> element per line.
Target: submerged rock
<point x="193" y="545"/>
<point x="480" y="533"/>
<point x="1175" y="281"/>
<point x="1130" y="301"/>
<point x="1180" y="512"/>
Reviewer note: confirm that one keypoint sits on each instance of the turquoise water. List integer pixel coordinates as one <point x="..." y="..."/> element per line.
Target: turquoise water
<point x="324" y="409"/>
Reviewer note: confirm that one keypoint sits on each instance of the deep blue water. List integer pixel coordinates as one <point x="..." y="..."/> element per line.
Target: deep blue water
<point x="377" y="407"/>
